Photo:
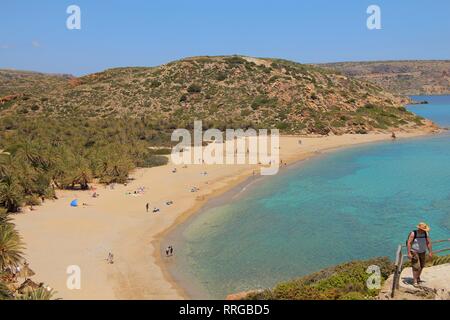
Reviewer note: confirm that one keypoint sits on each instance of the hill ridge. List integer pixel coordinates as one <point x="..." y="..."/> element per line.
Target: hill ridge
<point x="408" y="77"/>
<point x="236" y="91"/>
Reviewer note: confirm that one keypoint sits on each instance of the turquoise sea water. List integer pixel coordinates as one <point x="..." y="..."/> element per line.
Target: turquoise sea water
<point x="351" y="204"/>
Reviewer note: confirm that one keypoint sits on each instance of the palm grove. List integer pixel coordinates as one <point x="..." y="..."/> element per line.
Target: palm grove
<point x="39" y="155"/>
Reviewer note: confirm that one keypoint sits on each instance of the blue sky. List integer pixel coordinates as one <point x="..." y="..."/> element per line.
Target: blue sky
<point x="33" y="34"/>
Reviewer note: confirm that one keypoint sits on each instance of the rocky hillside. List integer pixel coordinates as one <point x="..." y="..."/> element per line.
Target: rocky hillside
<point x="14" y="82"/>
<point x="402" y="77"/>
<point x="230" y="91"/>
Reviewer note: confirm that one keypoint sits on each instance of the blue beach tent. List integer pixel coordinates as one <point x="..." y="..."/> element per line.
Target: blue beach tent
<point x="74" y="203"/>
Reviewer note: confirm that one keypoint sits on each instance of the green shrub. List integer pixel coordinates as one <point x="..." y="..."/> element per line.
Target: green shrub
<point x="32" y="201"/>
<point x="435" y="261"/>
<point x="235" y="61"/>
<point x="221" y="76"/>
<point x="161" y="151"/>
<point x="183" y="98"/>
<point x="342" y="282"/>
<point x="282" y="126"/>
<point x="370" y="106"/>
<point x="263" y="100"/>
<point x="153" y="161"/>
<point x="155" y="84"/>
<point x="194" y="88"/>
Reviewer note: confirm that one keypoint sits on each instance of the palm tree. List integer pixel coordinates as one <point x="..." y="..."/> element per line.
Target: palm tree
<point x="5" y="161"/>
<point x="23" y="175"/>
<point x="116" y="169"/>
<point x="5" y="293"/>
<point x="40" y="293"/>
<point x="11" y="194"/>
<point x="25" y="271"/>
<point x="32" y="154"/>
<point x="11" y="247"/>
<point x="4" y="218"/>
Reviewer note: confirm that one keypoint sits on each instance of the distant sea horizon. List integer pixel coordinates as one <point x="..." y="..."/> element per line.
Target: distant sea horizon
<point x="355" y="203"/>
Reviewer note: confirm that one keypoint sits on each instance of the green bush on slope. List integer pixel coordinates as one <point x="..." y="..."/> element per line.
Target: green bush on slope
<point x="343" y="282"/>
<point x="435" y="261"/>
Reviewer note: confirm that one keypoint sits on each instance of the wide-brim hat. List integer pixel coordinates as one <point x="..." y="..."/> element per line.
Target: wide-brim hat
<point x="423" y="226"/>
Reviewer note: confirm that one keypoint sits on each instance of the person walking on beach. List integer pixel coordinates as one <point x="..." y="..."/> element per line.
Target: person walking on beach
<point x="169" y="251"/>
<point x="110" y="258"/>
<point x="147" y="206"/>
<point x="418" y="243"/>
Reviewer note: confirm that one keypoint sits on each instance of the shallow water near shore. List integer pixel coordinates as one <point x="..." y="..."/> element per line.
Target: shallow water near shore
<point x="351" y="204"/>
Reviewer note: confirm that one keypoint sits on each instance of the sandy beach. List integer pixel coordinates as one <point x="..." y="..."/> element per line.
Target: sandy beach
<point x="58" y="236"/>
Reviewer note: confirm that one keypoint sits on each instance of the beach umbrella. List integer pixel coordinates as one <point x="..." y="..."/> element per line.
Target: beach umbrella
<point x="74" y="203"/>
<point x="26" y="272"/>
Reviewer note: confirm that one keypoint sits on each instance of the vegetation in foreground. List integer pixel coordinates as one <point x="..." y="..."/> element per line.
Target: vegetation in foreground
<point x="11" y="257"/>
<point x="345" y="281"/>
<point x="435" y="261"/>
<point x="342" y="282"/>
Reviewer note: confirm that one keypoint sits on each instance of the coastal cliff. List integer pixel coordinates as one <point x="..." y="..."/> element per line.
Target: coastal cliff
<point x="415" y="77"/>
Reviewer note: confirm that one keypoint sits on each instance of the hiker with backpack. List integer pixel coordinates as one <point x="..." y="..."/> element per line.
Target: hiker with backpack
<point x="418" y="242"/>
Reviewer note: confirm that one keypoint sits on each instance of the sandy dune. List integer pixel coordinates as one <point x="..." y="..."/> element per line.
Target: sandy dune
<point x="58" y="236"/>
